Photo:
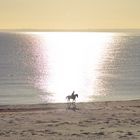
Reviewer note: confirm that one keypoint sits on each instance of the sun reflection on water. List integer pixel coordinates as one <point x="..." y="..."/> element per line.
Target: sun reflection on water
<point x="71" y="61"/>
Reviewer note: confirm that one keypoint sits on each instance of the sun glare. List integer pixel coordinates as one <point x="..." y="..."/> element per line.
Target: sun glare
<point x="70" y="61"/>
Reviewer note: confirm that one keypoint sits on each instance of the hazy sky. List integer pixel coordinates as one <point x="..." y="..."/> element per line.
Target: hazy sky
<point x="69" y="14"/>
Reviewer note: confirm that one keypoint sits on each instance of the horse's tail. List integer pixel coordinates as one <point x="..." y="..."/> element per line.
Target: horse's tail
<point x="68" y="97"/>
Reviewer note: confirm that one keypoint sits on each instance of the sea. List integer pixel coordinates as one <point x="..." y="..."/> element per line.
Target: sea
<point x="45" y="67"/>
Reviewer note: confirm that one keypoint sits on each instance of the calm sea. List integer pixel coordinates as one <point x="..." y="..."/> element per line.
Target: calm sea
<point x="42" y="67"/>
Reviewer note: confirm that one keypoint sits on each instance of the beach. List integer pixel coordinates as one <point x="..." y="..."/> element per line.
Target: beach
<point x="112" y="120"/>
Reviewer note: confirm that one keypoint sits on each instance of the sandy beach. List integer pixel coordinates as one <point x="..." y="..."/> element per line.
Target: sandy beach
<point x="116" y="120"/>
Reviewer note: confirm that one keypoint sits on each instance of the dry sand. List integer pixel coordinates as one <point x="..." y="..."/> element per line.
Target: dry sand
<point x="118" y="120"/>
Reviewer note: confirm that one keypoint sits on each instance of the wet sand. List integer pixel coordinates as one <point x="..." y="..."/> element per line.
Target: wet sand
<point x="116" y="120"/>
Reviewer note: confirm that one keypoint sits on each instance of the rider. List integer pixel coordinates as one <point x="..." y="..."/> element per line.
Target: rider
<point x="72" y="93"/>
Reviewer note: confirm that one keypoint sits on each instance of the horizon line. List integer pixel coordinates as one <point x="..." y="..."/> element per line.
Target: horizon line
<point x="73" y="30"/>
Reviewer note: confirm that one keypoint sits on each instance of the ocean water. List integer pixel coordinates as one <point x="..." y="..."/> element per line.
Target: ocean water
<point x="42" y="67"/>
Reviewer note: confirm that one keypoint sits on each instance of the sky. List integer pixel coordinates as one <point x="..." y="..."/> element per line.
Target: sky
<point x="69" y="14"/>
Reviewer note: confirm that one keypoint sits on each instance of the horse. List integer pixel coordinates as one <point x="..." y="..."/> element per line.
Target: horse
<point x="73" y="97"/>
<point x="71" y="105"/>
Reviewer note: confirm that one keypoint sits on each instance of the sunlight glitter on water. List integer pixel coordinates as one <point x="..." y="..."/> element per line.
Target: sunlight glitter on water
<point x="71" y="61"/>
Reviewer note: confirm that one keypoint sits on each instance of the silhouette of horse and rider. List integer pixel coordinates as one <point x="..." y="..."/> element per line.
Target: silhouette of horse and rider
<point x="71" y="105"/>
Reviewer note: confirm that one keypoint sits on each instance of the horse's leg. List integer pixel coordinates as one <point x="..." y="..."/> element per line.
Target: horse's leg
<point x="73" y="104"/>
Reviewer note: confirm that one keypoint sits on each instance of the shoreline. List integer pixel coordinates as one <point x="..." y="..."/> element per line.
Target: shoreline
<point x="118" y="120"/>
<point x="47" y="106"/>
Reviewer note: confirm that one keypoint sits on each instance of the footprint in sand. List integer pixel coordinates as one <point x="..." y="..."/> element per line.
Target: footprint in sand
<point x="74" y="134"/>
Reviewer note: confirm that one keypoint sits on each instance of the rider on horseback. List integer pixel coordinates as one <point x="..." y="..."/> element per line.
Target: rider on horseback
<point x="73" y="97"/>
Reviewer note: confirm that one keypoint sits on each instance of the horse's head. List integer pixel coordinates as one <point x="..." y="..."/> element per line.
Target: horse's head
<point x="76" y="95"/>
